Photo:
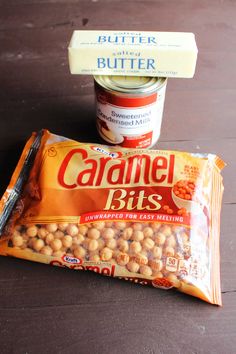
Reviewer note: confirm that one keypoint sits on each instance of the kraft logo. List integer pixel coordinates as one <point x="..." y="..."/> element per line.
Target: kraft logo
<point x="113" y="155"/>
<point x="71" y="260"/>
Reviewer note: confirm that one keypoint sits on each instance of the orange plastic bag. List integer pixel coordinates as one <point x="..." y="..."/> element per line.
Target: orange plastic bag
<point x="148" y="216"/>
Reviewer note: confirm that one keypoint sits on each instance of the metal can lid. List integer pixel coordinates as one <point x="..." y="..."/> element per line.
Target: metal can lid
<point x="130" y="84"/>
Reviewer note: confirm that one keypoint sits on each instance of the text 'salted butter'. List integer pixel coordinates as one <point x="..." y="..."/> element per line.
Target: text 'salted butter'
<point x="162" y="54"/>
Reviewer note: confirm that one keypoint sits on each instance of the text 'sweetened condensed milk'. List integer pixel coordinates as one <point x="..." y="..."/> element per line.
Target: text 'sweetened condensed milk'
<point x="129" y="109"/>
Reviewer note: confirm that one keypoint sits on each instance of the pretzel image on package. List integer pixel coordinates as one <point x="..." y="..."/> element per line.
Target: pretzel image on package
<point x="151" y="217"/>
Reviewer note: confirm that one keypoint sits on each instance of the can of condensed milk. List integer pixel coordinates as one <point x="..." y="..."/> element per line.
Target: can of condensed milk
<point x="129" y="109"/>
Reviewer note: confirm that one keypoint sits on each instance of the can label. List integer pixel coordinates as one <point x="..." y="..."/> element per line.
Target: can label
<point x="132" y="122"/>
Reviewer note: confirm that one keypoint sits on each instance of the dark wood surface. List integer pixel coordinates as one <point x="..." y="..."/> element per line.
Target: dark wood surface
<point x="51" y="310"/>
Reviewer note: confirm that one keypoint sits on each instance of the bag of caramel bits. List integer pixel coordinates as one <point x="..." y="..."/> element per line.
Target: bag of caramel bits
<point x="147" y="216"/>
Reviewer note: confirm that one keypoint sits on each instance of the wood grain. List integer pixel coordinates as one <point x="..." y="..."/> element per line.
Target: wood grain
<point x="53" y="310"/>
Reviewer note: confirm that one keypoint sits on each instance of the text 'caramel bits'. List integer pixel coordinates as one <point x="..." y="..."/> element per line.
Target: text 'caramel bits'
<point x="147" y="216"/>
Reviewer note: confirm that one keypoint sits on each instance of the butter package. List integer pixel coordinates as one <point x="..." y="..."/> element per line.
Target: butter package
<point x="151" y="217"/>
<point x="131" y="53"/>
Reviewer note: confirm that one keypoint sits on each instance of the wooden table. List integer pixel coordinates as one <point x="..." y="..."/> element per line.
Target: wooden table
<point x="51" y="310"/>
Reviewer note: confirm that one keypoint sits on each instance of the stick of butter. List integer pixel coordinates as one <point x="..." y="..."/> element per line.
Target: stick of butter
<point x="167" y="54"/>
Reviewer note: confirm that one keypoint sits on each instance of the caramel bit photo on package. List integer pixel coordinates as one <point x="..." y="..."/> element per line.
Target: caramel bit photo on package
<point x="133" y="53"/>
<point x="151" y="217"/>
